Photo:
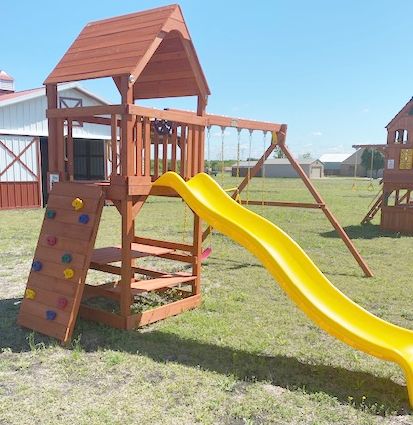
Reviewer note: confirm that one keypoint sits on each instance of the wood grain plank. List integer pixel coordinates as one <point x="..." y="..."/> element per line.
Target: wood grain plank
<point x="89" y="190"/>
<point x="139" y="17"/>
<point x="150" y="24"/>
<point x="103" y="65"/>
<point x="72" y="231"/>
<point x="37" y="309"/>
<point x="54" y="255"/>
<point x="51" y="298"/>
<point x="65" y="244"/>
<point x="41" y="325"/>
<point x="69" y="217"/>
<point x="65" y="203"/>
<point x="63" y="286"/>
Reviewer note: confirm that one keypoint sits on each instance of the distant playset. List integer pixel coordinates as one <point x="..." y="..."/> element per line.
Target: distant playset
<point x="395" y="201"/>
<point x="161" y="152"/>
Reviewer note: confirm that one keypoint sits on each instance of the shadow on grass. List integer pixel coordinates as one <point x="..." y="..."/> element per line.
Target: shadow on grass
<point x="233" y="264"/>
<point x="366" y="231"/>
<point x="383" y="395"/>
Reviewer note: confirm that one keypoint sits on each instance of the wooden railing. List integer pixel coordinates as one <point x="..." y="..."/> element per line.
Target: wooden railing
<point x="149" y="152"/>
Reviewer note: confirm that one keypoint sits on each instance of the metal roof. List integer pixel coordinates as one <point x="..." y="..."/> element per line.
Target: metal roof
<point x="152" y="48"/>
<point x="4" y="76"/>
<point x="21" y="96"/>
<point x="277" y="161"/>
<point x="334" y="157"/>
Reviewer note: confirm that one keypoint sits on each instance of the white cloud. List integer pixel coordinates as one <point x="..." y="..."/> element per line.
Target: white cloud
<point x="365" y="110"/>
<point x="317" y="133"/>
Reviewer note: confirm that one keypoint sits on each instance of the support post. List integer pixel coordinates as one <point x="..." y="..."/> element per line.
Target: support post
<point x="51" y="94"/>
<point x="197" y="253"/>
<point x="128" y="222"/>
<point x="69" y="147"/>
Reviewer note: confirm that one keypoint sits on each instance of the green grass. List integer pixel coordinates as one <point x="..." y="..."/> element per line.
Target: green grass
<point x="248" y="355"/>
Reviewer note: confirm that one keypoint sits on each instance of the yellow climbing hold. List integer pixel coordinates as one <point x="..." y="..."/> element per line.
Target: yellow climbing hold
<point x="77" y="204"/>
<point x="69" y="273"/>
<point x="30" y="294"/>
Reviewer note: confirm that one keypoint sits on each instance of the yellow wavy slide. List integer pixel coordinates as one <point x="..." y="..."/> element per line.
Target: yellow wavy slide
<point x="296" y="273"/>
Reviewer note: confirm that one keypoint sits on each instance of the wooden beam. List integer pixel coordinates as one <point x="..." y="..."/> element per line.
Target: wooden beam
<point x="162" y="312"/>
<point x="223" y="121"/>
<point x="164" y="244"/>
<point x="175" y="116"/>
<point x="330" y="216"/>
<point x="98" y="120"/>
<point x="85" y="111"/>
<point x="283" y="204"/>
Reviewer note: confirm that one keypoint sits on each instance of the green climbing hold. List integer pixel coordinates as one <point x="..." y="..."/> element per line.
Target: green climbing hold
<point x="66" y="258"/>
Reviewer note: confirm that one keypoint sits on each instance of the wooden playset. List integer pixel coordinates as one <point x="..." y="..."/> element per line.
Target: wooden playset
<point x="395" y="199"/>
<point x="148" y="55"/>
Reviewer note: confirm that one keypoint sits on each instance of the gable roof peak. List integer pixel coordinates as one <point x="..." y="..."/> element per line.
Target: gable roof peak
<point x="152" y="48"/>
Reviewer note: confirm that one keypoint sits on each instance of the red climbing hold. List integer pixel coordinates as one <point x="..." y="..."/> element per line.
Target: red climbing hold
<point x="62" y="303"/>
<point x="51" y="240"/>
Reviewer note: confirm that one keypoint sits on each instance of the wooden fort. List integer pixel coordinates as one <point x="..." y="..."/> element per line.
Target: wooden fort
<point x="148" y="55"/>
<point x="395" y="201"/>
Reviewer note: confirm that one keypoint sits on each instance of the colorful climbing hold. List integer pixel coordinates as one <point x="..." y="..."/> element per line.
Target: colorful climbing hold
<point x="68" y="273"/>
<point x="62" y="303"/>
<point x="84" y="219"/>
<point x="36" y="266"/>
<point x="77" y="204"/>
<point x="30" y="294"/>
<point x="51" y="315"/>
<point x="50" y="214"/>
<point x="51" y="240"/>
<point x="66" y="258"/>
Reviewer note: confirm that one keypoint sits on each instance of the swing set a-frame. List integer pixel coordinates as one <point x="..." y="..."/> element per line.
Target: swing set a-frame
<point x="277" y="141"/>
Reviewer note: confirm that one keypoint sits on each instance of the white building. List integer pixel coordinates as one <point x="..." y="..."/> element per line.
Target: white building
<point x="344" y="164"/>
<point x="24" y="142"/>
<point x="281" y="167"/>
<point x="332" y="162"/>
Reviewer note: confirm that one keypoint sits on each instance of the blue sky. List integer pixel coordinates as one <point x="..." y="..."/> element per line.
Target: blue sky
<point x="335" y="71"/>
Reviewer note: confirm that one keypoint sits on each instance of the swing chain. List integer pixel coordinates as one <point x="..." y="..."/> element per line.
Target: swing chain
<point x="238" y="149"/>
<point x="222" y="154"/>
<point x="263" y="169"/>
<point x="209" y="170"/>
<point x="249" y="165"/>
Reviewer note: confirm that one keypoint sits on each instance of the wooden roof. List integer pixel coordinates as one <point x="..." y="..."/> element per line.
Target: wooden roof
<point x="406" y="111"/>
<point x="153" y="47"/>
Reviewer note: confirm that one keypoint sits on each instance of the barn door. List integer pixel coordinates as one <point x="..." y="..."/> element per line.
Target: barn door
<point x="20" y="174"/>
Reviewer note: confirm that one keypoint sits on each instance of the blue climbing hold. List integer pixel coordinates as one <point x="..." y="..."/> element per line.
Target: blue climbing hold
<point x="51" y="315"/>
<point x="84" y="219"/>
<point x="50" y="214"/>
<point x="36" y="266"/>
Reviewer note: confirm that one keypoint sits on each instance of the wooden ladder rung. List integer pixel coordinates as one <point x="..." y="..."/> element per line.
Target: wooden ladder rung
<point x="113" y="254"/>
<point x="161" y="282"/>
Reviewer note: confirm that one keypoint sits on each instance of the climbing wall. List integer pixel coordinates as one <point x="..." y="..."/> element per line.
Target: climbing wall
<point x="61" y="260"/>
